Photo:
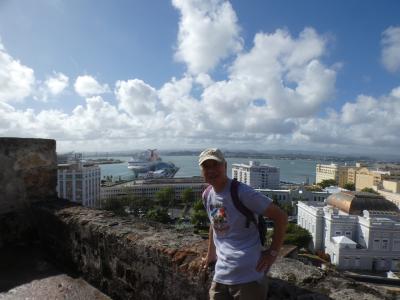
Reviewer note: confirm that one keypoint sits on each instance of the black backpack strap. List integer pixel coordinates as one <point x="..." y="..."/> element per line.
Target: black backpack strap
<point x="239" y="205"/>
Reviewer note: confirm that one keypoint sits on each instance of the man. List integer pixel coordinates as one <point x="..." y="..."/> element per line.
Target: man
<point x="241" y="263"/>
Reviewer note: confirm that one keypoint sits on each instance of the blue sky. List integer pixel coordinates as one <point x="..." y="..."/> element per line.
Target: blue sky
<point x="265" y="75"/>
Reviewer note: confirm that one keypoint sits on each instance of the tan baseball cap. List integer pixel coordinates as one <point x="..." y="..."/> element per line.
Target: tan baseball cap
<point x="211" y="153"/>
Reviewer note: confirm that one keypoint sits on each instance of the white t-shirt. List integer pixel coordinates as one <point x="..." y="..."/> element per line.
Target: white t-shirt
<point x="238" y="248"/>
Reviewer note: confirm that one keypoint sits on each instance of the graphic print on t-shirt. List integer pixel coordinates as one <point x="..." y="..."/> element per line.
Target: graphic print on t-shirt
<point x="219" y="219"/>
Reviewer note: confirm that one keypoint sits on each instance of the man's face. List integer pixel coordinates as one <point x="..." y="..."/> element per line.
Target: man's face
<point x="214" y="172"/>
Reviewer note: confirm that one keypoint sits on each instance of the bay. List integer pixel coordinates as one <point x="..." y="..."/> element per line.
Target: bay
<point x="291" y="170"/>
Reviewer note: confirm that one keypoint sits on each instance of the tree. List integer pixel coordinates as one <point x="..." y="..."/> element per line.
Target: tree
<point x="327" y="182"/>
<point x="287" y="207"/>
<point x="199" y="216"/>
<point x="166" y="197"/>
<point x="350" y="186"/>
<point x="138" y="206"/>
<point x="295" y="235"/>
<point x="188" y="196"/>
<point x="313" y="188"/>
<point x="117" y="206"/>
<point x="369" y="190"/>
<point x="158" y="215"/>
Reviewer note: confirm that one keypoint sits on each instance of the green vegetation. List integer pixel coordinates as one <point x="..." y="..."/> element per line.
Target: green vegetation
<point x="313" y="188"/>
<point x="188" y="197"/>
<point x="166" y="197"/>
<point x="369" y="190"/>
<point x="199" y="216"/>
<point x="158" y="215"/>
<point x="350" y="186"/>
<point x="139" y="206"/>
<point x="295" y="235"/>
<point x="117" y="206"/>
<point x="286" y="207"/>
<point x="327" y="182"/>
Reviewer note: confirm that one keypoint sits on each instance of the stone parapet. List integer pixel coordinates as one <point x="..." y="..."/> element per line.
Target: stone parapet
<point x="132" y="259"/>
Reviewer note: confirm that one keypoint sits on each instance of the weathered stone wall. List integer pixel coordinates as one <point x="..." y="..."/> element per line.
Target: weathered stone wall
<point x="131" y="259"/>
<point x="28" y="173"/>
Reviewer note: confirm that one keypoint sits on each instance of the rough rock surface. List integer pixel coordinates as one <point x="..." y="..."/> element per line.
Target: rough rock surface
<point x="55" y="287"/>
<point x="131" y="259"/>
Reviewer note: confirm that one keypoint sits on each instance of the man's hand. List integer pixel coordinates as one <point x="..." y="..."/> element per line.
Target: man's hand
<point x="265" y="262"/>
<point x="208" y="260"/>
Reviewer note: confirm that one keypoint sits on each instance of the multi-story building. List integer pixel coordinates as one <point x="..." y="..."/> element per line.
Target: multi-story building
<point x="147" y="189"/>
<point x="390" y="189"/>
<point x="79" y="182"/>
<point x="357" y="230"/>
<point x="373" y="178"/>
<point x="256" y="175"/>
<point x="332" y="171"/>
<point x="352" y="171"/>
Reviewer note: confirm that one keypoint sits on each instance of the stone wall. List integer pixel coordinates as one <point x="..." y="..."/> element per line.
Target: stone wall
<point x="28" y="173"/>
<point x="131" y="259"/>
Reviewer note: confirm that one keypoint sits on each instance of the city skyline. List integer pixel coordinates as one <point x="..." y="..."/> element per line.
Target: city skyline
<point x="97" y="76"/>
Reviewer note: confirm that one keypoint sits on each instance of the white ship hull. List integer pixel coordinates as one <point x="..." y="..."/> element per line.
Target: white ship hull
<point x="140" y="167"/>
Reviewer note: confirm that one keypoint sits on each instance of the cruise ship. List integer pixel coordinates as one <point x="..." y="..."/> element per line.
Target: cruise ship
<point x="150" y="164"/>
<point x="144" y="161"/>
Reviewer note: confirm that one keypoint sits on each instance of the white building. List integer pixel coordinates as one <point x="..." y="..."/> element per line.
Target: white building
<point x="147" y="189"/>
<point x="256" y="175"/>
<point x="79" y="182"/>
<point x="357" y="230"/>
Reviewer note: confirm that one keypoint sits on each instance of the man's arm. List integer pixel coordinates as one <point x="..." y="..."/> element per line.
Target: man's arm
<point x="211" y="252"/>
<point x="279" y="217"/>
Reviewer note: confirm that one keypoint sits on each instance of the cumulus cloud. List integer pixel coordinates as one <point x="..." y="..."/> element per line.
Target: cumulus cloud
<point x="87" y="86"/>
<point x="365" y="122"/>
<point x="286" y="72"/>
<point x="16" y="80"/>
<point x="52" y="86"/>
<point x="57" y="83"/>
<point x="208" y="33"/>
<point x="136" y="97"/>
<point x="391" y="49"/>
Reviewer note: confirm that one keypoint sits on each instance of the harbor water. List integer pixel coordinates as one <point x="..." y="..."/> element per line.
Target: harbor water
<point x="291" y="170"/>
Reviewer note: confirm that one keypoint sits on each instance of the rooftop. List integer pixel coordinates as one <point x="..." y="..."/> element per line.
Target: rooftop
<point x="355" y="203"/>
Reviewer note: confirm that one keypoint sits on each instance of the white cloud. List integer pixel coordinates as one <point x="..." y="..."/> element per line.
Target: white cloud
<point x="366" y="122"/>
<point x="53" y="86"/>
<point x="286" y="72"/>
<point x="87" y="86"/>
<point x="391" y="49"/>
<point x="208" y="32"/>
<point x="16" y="80"/>
<point x="136" y="97"/>
<point x="57" y="83"/>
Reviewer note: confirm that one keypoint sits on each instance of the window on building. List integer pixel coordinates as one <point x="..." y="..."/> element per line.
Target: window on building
<point x="376" y="244"/>
<point x="396" y="245"/>
<point x="385" y="244"/>
<point x="348" y="234"/>
<point x="357" y="262"/>
<point x="346" y="261"/>
<point x="383" y="263"/>
<point x="337" y="233"/>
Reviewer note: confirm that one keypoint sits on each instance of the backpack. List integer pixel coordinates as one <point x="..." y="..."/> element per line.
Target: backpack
<point x="260" y="222"/>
